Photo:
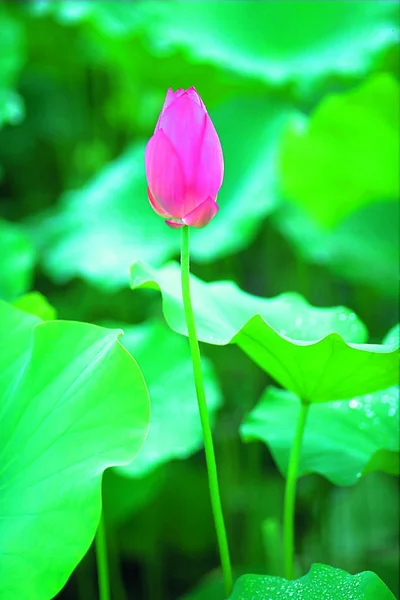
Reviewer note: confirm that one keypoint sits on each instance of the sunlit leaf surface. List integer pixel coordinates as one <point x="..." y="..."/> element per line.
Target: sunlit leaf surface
<point x="81" y="87"/>
<point x="305" y="349"/>
<point x="264" y="40"/>
<point x="73" y="402"/>
<point x="347" y="153"/>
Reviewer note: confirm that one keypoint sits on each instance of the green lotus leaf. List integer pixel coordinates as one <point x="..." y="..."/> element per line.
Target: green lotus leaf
<point x="363" y="244"/>
<point x="250" y="179"/>
<point x="97" y="232"/>
<point x="343" y="440"/>
<point x="175" y="428"/>
<point x="322" y="581"/>
<point x="254" y="40"/>
<point x="346" y="154"/>
<point x="308" y="350"/>
<point x="73" y="402"/>
<point x="264" y="40"/>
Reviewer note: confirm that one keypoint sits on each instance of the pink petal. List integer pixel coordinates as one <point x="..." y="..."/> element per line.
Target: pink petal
<point x="192" y="93"/>
<point x="183" y="122"/>
<point x="170" y="97"/>
<point x="165" y="175"/>
<point x="155" y="206"/>
<point x="174" y="224"/>
<point x="202" y="214"/>
<point x="210" y="166"/>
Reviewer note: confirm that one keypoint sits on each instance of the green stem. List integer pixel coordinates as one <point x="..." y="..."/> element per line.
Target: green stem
<point x="273" y="548"/>
<point x="290" y="491"/>
<point x="102" y="561"/>
<point x="205" y="422"/>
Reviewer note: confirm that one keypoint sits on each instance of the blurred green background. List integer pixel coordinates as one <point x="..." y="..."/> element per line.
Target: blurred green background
<point x="305" y="98"/>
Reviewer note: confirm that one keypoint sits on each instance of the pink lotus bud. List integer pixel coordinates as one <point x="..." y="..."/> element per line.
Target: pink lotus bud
<point x="184" y="162"/>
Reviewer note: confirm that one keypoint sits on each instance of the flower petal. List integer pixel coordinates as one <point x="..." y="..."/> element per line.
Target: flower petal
<point x="192" y="93"/>
<point x="174" y="224"/>
<point x="183" y="123"/>
<point x="165" y="175"/>
<point x="202" y="214"/>
<point x="170" y="97"/>
<point x="210" y="166"/>
<point x="155" y="206"/>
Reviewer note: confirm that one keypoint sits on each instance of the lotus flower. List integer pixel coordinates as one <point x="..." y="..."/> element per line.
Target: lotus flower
<point x="184" y="162"/>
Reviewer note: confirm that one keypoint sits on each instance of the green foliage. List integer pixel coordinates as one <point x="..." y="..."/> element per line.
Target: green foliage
<point x="249" y="190"/>
<point x="175" y="429"/>
<point x="17" y="260"/>
<point x="365" y="531"/>
<point x="304" y="97"/>
<point x="265" y="40"/>
<point x="360" y="247"/>
<point x="393" y="336"/>
<point x="304" y="348"/>
<point x="98" y="231"/>
<point x="343" y="440"/>
<point x="35" y="303"/>
<point x="347" y="154"/>
<point x="112" y="19"/>
<point x="321" y="582"/>
<point x="73" y="402"/>
<point x="13" y="56"/>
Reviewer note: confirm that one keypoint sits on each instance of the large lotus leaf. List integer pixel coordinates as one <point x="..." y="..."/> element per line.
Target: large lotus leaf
<point x="143" y="75"/>
<point x="264" y="40"/>
<point x="97" y="232"/>
<point x="250" y="131"/>
<point x="73" y="402"/>
<point x="306" y="349"/>
<point x="175" y="428"/>
<point x="322" y="582"/>
<point x="17" y="260"/>
<point x="346" y="154"/>
<point x="342" y="439"/>
<point x="112" y="18"/>
<point x="362" y="245"/>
